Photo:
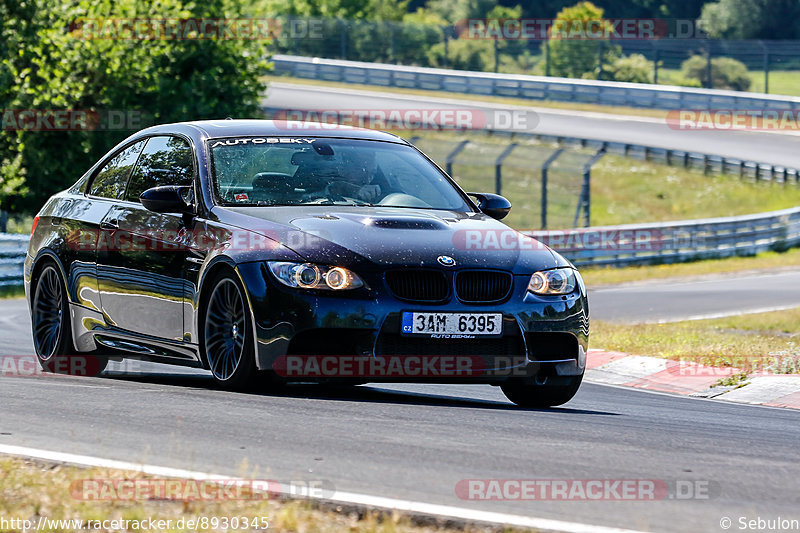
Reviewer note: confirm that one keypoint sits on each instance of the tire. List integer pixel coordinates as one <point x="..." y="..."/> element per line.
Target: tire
<point x="526" y="393"/>
<point x="52" y="330"/>
<point x="227" y="335"/>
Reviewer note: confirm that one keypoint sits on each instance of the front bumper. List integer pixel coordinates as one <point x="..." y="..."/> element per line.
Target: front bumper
<point x="545" y="335"/>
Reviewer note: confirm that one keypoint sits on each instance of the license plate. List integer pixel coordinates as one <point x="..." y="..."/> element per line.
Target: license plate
<point x="453" y="325"/>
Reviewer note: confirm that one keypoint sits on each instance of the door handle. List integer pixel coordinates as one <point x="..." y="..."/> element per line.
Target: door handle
<point x="110" y="224"/>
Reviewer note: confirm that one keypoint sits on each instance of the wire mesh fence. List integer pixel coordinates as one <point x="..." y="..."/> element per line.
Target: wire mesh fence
<point x="771" y="65"/>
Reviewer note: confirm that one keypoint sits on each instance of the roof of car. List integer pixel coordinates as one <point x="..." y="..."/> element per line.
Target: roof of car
<point x="256" y="127"/>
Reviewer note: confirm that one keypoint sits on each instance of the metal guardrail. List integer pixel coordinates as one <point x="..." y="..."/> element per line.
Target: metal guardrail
<point x="529" y="87"/>
<point x="671" y="242"/>
<point x="12" y="256"/>
<point x="628" y="244"/>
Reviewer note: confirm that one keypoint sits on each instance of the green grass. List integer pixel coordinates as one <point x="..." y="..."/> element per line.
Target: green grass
<point x="599" y="276"/>
<point x="785" y="82"/>
<point x="746" y="341"/>
<point x="12" y="291"/>
<point x="29" y="490"/>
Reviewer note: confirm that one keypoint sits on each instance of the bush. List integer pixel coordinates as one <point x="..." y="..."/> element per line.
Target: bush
<point x="726" y="72"/>
<point x="634" y="68"/>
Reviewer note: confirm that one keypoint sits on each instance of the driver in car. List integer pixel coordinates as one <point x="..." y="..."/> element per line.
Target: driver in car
<point x="359" y="177"/>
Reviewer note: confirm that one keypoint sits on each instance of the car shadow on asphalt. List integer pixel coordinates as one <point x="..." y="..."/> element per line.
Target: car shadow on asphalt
<point x="372" y="393"/>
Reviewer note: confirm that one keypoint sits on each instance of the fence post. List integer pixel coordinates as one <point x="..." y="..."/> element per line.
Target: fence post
<point x="3" y="221"/>
<point x="392" y="54"/>
<point x="655" y="63"/>
<point x="585" y="200"/>
<point x="766" y="66"/>
<point x="496" y="55"/>
<point x="343" y="38"/>
<point x="545" y="167"/>
<point x="445" y="34"/>
<point x="451" y="157"/>
<point x="547" y="57"/>
<point x="498" y="168"/>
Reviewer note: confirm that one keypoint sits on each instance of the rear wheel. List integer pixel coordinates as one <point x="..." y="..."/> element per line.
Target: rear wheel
<point x="228" y="341"/>
<point x="526" y="393"/>
<point x="52" y="331"/>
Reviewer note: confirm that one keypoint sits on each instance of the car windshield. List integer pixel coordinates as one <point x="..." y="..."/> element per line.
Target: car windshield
<point x="268" y="171"/>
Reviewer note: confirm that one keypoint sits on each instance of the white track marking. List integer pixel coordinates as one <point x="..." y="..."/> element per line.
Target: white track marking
<point x="365" y="500"/>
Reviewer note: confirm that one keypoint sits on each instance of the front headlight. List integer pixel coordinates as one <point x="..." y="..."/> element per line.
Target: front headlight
<point x="556" y="281"/>
<point x="311" y="276"/>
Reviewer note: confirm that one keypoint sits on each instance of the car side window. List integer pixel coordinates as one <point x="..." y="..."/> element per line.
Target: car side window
<point x="110" y="181"/>
<point x="164" y="161"/>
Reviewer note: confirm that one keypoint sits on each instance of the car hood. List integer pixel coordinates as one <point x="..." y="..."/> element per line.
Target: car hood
<point x="381" y="237"/>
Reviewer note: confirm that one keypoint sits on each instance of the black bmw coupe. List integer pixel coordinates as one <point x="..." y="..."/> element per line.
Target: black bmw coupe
<point x="278" y="252"/>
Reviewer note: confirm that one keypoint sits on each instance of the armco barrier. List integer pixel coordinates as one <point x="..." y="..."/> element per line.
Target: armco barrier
<point x="529" y="87"/>
<point x="670" y="242"/>
<point x="628" y="244"/>
<point x="12" y="257"/>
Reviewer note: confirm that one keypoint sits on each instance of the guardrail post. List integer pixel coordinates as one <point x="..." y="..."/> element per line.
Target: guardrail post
<point x="498" y="168"/>
<point x="3" y="221"/>
<point x="452" y="156"/>
<point x="708" y="66"/>
<point x="545" y="167"/>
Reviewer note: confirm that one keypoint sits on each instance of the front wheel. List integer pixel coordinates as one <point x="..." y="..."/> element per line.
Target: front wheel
<point x="228" y="342"/>
<point x="52" y="331"/>
<point x="526" y="393"/>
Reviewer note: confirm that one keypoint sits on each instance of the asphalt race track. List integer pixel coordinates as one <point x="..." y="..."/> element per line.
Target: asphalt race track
<point x="416" y="442"/>
<point x="775" y="148"/>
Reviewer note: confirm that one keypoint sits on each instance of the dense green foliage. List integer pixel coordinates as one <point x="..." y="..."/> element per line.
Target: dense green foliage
<point x="50" y="64"/>
<point x="726" y="72"/>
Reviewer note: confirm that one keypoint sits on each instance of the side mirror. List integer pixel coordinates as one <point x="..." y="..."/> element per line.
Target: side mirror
<point x="167" y="199"/>
<point x="494" y="205"/>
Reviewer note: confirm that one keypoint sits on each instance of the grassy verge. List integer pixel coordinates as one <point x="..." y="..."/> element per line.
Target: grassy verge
<point x="599" y="276"/>
<point x="29" y="490"/>
<point x="13" y="291"/>
<point x="770" y="339"/>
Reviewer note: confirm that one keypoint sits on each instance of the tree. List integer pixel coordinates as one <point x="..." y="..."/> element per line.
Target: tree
<point x="164" y="80"/>
<point x="751" y="19"/>
<point x="574" y="52"/>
